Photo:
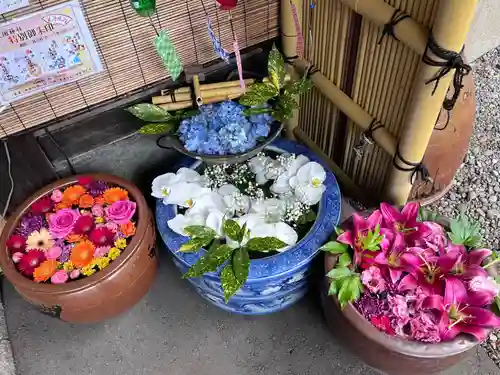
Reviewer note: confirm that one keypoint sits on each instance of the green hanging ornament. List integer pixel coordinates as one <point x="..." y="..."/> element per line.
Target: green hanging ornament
<point x="144" y="8"/>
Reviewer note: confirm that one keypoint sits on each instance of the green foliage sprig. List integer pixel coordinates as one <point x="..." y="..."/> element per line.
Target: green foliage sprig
<point x="465" y="232"/>
<point x="160" y="121"/>
<point x="234" y="259"/>
<point x="281" y="94"/>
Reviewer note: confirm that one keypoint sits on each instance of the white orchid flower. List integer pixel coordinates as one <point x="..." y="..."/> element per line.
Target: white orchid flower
<point x="282" y="183"/>
<point x="180" y="222"/>
<point x="235" y="201"/>
<point x="258" y="166"/>
<point x="184" y="185"/>
<point x="271" y="210"/>
<point x="308" y="183"/>
<point x="206" y="203"/>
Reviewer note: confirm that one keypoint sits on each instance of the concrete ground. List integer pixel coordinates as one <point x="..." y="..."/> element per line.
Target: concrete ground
<point x="172" y="330"/>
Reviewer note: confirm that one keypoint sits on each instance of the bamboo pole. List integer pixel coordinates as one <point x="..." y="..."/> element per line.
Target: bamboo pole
<point x="349" y="107"/>
<point x="208" y="86"/>
<point x="289" y="44"/>
<point x="379" y="12"/>
<point x="450" y="29"/>
<point x="196" y="89"/>
<point x="188" y="103"/>
<point x="205" y="94"/>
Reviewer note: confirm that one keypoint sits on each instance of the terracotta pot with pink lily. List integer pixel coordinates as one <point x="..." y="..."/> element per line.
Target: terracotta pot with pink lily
<point x="410" y="289"/>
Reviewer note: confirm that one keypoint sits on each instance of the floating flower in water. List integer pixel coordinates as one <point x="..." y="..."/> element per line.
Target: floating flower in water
<point x="30" y="223"/>
<point x="74" y="237"/>
<point x="121" y="212"/>
<point x="405" y="222"/>
<point x="88" y="270"/>
<point x="42" y="205"/>
<point x="30" y="261"/>
<point x="82" y="254"/>
<point x="56" y="196"/>
<point x="75" y="274"/>
<point x="308" y="183"/>
<point x="45" y="270"/>
<point x="53" y="253"/>
<point x="424" y="328"/>
<point x="101" y="237"/>
<point x="101" y="251"/>
<point x="16" y="257"/>
<point x="128" y="229"/>
<point x="60" y="277"/>
<point x="86" y="201"/>
<point x="97" y="210"/>
<point x="97" y="188"/>
<point x="39" y="240"/>
<point x="115" y="194"/>
<point x="182" y="188"/>
<point x="373" y="280"/>
<point x="16" y="243"/>
<point x="383" y="323"/>
<point x="83" y="225"/>
<point x="72" y="194"/>
<point x="114" y="253"/>
<point x="102" y="262"/>
<point x="62" y="222"/>
<point x="121" y="243"/>
<point x="68" y="266"/>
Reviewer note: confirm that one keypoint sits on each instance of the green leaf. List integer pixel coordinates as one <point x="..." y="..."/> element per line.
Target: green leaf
<point x="465" y="232"/>
<point x="182" y="114"/>
<point x="157" y="128"/>
<point x="150" y="112"/>
<point x="265" y="244"/>
<point x="427" y="215"/>
<point x="339" y="231"/>
<point x="200" y="231"/>
<point x="286" y="104"/>
<point x="334" y="247"/>
<point x="241" y="264"/>
<point x="258" y="94"/>
<point x="335" y="286"/>
<point x="256" y="111"/>
<point x="306" y="217"/>
<point x="299" y="87"/>
<point x="339" y="272"/>
<point x="276" y="68"/>
<point x="232" y="229"/>
<point x="229" y="281"/>
<point x="350" y="290"/>
<point x="243" y="232"/>
<point x="210" y="261"/>
<point x="193" y="245"/>
<point x="344" y="260"/>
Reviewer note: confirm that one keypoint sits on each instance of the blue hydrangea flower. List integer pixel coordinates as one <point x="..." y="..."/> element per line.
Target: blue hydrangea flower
<point x="222" y="128"/>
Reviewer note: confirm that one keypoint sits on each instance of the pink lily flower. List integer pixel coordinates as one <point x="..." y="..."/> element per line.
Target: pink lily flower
<point x="436" y="239"/>
<point x="356" y="237"/>
<point x="457" y="316"/>
<point x="398" y="259"/>
<point x="465" y="264"/>
<point x="405" y="222"/>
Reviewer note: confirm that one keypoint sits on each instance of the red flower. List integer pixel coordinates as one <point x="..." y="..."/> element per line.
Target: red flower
<point x="227" y="4"/>
<point x="31" y="260"/>
<point x="41" y="206"/>
<point x="383" y="323"/>
<point x="84" y="224"/>
<point x="102" y="237"/>
<point x="16" y="243"/>
<point x="85" y="180"/>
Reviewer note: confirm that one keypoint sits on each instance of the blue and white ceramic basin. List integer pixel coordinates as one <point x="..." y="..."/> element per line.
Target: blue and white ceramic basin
<point x="274" y="282"/>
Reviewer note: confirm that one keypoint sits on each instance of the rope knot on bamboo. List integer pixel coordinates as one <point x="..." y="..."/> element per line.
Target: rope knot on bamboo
<point x="449" y="60"/>
<point x="416" y="169"/>
<point x="366" y="138"/>
<point x="388" y="29"/>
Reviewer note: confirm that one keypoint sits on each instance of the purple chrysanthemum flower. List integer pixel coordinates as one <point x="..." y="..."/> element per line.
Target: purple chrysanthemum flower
<point x="96" y="188"/>
<point x="30" y="223"/>
<point x="66" y="253"/>
<point x="370" y="305"/>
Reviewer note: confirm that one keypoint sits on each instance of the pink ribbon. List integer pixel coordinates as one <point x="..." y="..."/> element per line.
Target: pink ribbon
<point x="236" y="49"/>
<point x="300" y="39"/>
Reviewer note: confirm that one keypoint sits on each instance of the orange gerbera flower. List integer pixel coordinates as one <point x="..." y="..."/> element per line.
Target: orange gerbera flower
<point x="45" y="270"/>
<point x="72" y="194"/>
<point x="115" y="194"/>
<point x="99" y="200"/>
<point x="62" y="205"/>
<point x="74" y="237"/>
<point x="86" y="201"/>
<point x="128" y="229"/>
<point x="82" y="254"/>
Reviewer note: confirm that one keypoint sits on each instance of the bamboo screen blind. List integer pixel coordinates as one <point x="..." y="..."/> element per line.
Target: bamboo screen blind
<point x="382" y="82"/>
<point x="124" y="41"/>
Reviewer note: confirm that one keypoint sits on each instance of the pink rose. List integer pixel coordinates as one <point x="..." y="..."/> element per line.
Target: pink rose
<point x="61" y="223"/>
<point x="53" y="253"/>
<point x="101" y="251"/>
<point x="60" y="277"/>
<point x="74" y="274"/>
<point x="56" y="196"/>
<point x="121" y="212"/>
<point x="16" y="257"/>
<point x="97" y="210"/>
<point x="373" y="280"/>
<point x="113" y="227"/>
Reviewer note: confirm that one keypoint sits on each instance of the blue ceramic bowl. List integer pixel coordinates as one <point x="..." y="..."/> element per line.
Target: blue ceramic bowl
<point x="274" y="282"/>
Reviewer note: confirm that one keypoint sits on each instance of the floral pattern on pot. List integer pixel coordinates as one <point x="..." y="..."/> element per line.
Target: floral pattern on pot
<point x="274" y="282"/>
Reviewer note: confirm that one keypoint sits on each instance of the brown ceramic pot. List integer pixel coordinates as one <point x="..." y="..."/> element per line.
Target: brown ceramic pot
<point x="447" y="147"/>
<point x="105" y="294"/>
<point x="391" y="355"/>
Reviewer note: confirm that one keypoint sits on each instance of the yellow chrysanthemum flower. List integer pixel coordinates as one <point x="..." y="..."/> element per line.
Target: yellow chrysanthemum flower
<point x="101" y="262"/>
<point x="99" y="220"/>
<point x="114" y="253"/>
<point x="121" y="243"/>
<point x="68" y="266"/>
<point x="88" y="270"/>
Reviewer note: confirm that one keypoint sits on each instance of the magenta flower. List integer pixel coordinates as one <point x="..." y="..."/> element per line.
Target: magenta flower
<point x="56" y="196"/>
<point x="373" y="280"/>
<point x="424" y="328"/>
<point x="60" y="277"/>
<point x="457" y="316"/>
<point x="405" y="222"/>
<point x="358" y="238"/>
<point x="482" y="290"/>
<point x="435" y="240"/>
<point x="98" y="210"/>
<point x="121" y="212"/>
<point x="400" y="309"/>
<point x="61" y="223"/>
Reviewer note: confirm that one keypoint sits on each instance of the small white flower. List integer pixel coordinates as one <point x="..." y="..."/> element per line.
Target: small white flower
<point x="180" y="222"/>
<point x="235" y="201"/>
<point x="271" y="210"/>
<point x="282" y="183"/>
<point x="258" y="166"/>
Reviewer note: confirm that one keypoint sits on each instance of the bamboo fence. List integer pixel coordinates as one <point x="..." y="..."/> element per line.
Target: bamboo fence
<point x="124" y="41"/>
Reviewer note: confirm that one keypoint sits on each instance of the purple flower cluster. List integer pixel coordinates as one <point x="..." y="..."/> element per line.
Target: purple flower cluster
<point x="222" y="128"/>
<point x="30" y="223"/>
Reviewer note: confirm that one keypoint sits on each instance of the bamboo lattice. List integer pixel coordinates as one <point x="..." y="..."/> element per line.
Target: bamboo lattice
<point x="381" y="84"/>
<point x="124" y="41"/>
